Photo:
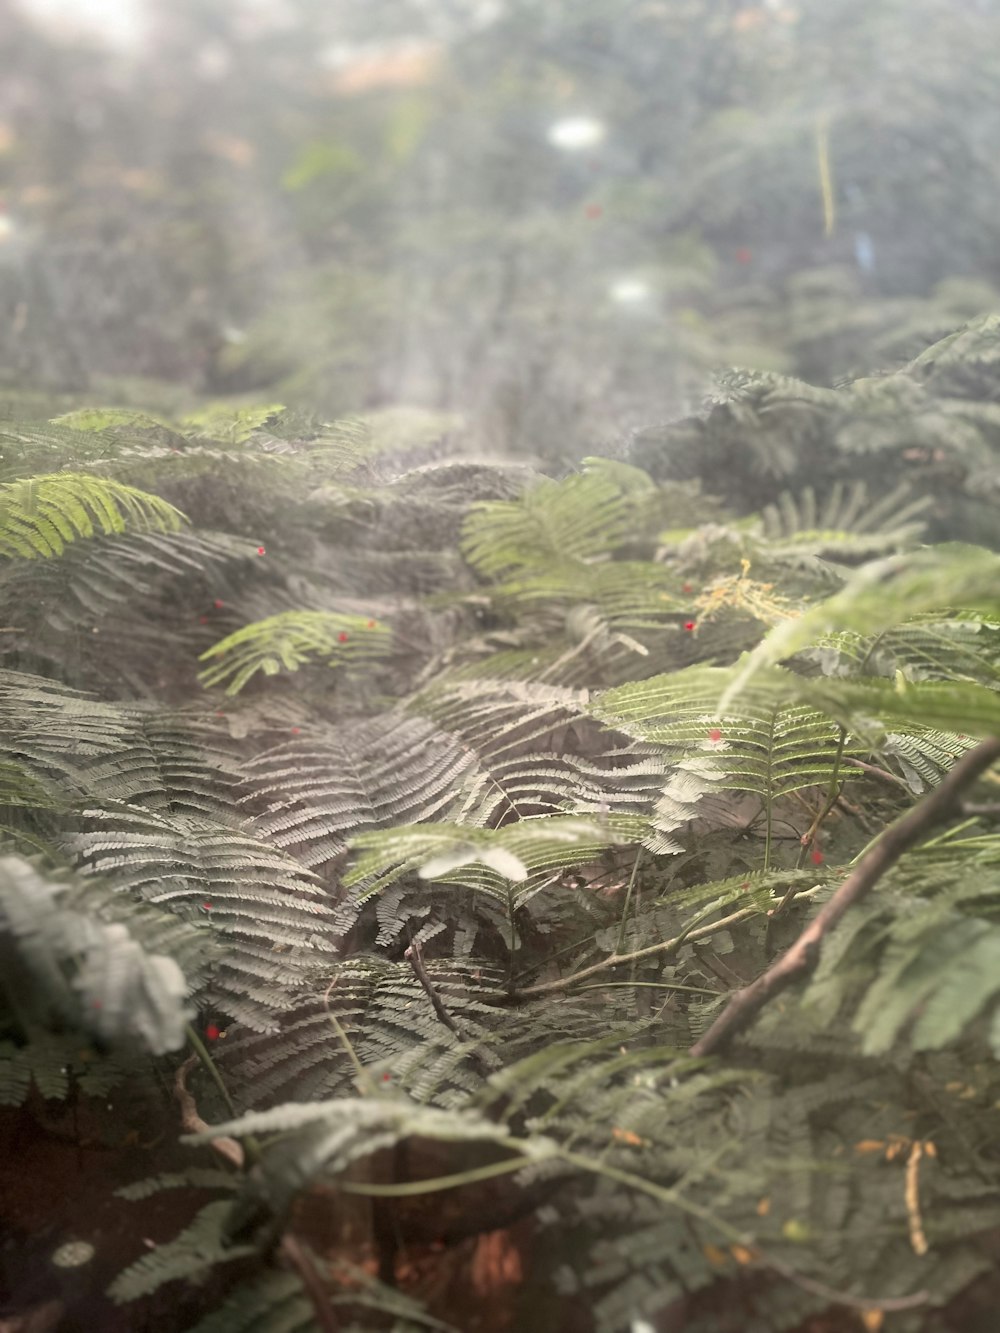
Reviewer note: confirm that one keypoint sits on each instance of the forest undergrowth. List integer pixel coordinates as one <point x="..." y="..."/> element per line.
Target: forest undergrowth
<point x="436" y="894"/>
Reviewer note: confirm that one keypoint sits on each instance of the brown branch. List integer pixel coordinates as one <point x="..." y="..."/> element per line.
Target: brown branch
<point x="415" y="959"/>
<point x="227" y="1148"/>
<point x="299" y="1258"/>
<point x="939" y="805"/>
<point x="620" y="959"/>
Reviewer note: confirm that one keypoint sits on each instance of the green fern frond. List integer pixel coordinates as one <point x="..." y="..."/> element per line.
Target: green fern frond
<point x="101" y="419"/>
<point x="191" y="1256"/>
<point x="802" y="530"/>
<point x="267" y="915"/>
<point x="927" y="647"/>
<point x="882" y="595"/>
<point x="581" y="519"/>
<point x="233" y="425"/>
<point x="274" y="1302"/>
<point x="289" y="640"/>
<point x="923" y="755"/>
<point x="81" y="749"/>
<point x="392" y="1028"/>
<point x="873" y="706"/>
<point x="41" y="516"/>
<point x="934" y="946"/>
<point x="754" y="746"/>
<point x="118" y="577"/>
<point x="487" y="859"/>
<point x="314" y="793"/>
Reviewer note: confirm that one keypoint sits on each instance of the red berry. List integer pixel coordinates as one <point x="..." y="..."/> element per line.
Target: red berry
<point x="371" y="624"/>
<point x="212" y="1032"/>
<point x="219" y="603"/>
<point x="261" y="551"/>
<point x="386" y="1078"/>
<point x="203" y="620"/>
<point x="686" y="587"/>
<point x="817" y="856"/>
<point x="715" y="734"/>
<point x="342" y="637"/>
<point x="689" y="624"/>
<point x="207" y="906"/>
<point x="296" y="730"/>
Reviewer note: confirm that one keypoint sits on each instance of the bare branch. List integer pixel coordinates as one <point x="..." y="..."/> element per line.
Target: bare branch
<point x="620" y="959"/>
<point x="227" y="1148"/>
<point x="299" y="1258"/>
<point x="802" y="956"/>
<point x="415" y="959"/>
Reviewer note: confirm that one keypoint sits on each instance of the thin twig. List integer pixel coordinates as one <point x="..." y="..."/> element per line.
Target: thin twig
<point x="651" y="950"/>
<point x="628" y="900"/>
<point x="300" y="1260"/>
<point x="888" y="1304"/>
<point x="833" y="791"/>
<point x="898" y="838"/>
<point x="415" y="959"/>
<point x="201" y="1051"/>
<point x="191" y="1121"/>
<point x="876" y="772"/>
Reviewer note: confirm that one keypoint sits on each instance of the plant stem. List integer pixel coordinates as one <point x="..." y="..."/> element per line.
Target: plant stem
<point x="628" y="900"/>
<point x="832" y="792"/>
<point x="620" y="959"/>
<point x="897" y="839"/>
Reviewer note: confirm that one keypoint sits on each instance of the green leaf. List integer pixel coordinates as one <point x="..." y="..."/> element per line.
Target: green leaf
<point x="288" y="641"/>
<point x="880" y="595"/>
<point x="41" y="516"/>
<point x="234" y="425"/>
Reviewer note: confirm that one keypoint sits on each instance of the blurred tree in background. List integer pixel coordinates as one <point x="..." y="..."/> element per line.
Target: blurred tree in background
<point x="556" y="217"/>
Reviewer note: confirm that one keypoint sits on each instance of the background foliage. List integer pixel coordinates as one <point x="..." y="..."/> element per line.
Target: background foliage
<point x="430" y="687"/>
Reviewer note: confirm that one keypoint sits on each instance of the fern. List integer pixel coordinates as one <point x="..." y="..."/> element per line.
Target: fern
<point x="266" y="913"/>
<point x="288" y="640"/>
<point x="580" y="519"/>
<point x="487" y="859"/>
<point x="314" y="793"/>
<point x="936" y="947"/>
<point x="191" y="1255"/>
<point x="458" y="920"/>
<point x="42" y="515"/>
<point x="885" y="594"/>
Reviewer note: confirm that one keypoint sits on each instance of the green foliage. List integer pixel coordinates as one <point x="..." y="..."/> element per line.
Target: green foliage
<point x="41" y="516"/>
<point x="931" y="940"/>
<point x="288" y="640"/>
<point x="513" y="785"/>
<point x="634" y="720"/>
<point x="220" y="421"/>
<point x="884" y="594"/>
<point x="101" y="419"/>
<point x="487" y="858"/>
<point x="192" y="1255"/>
